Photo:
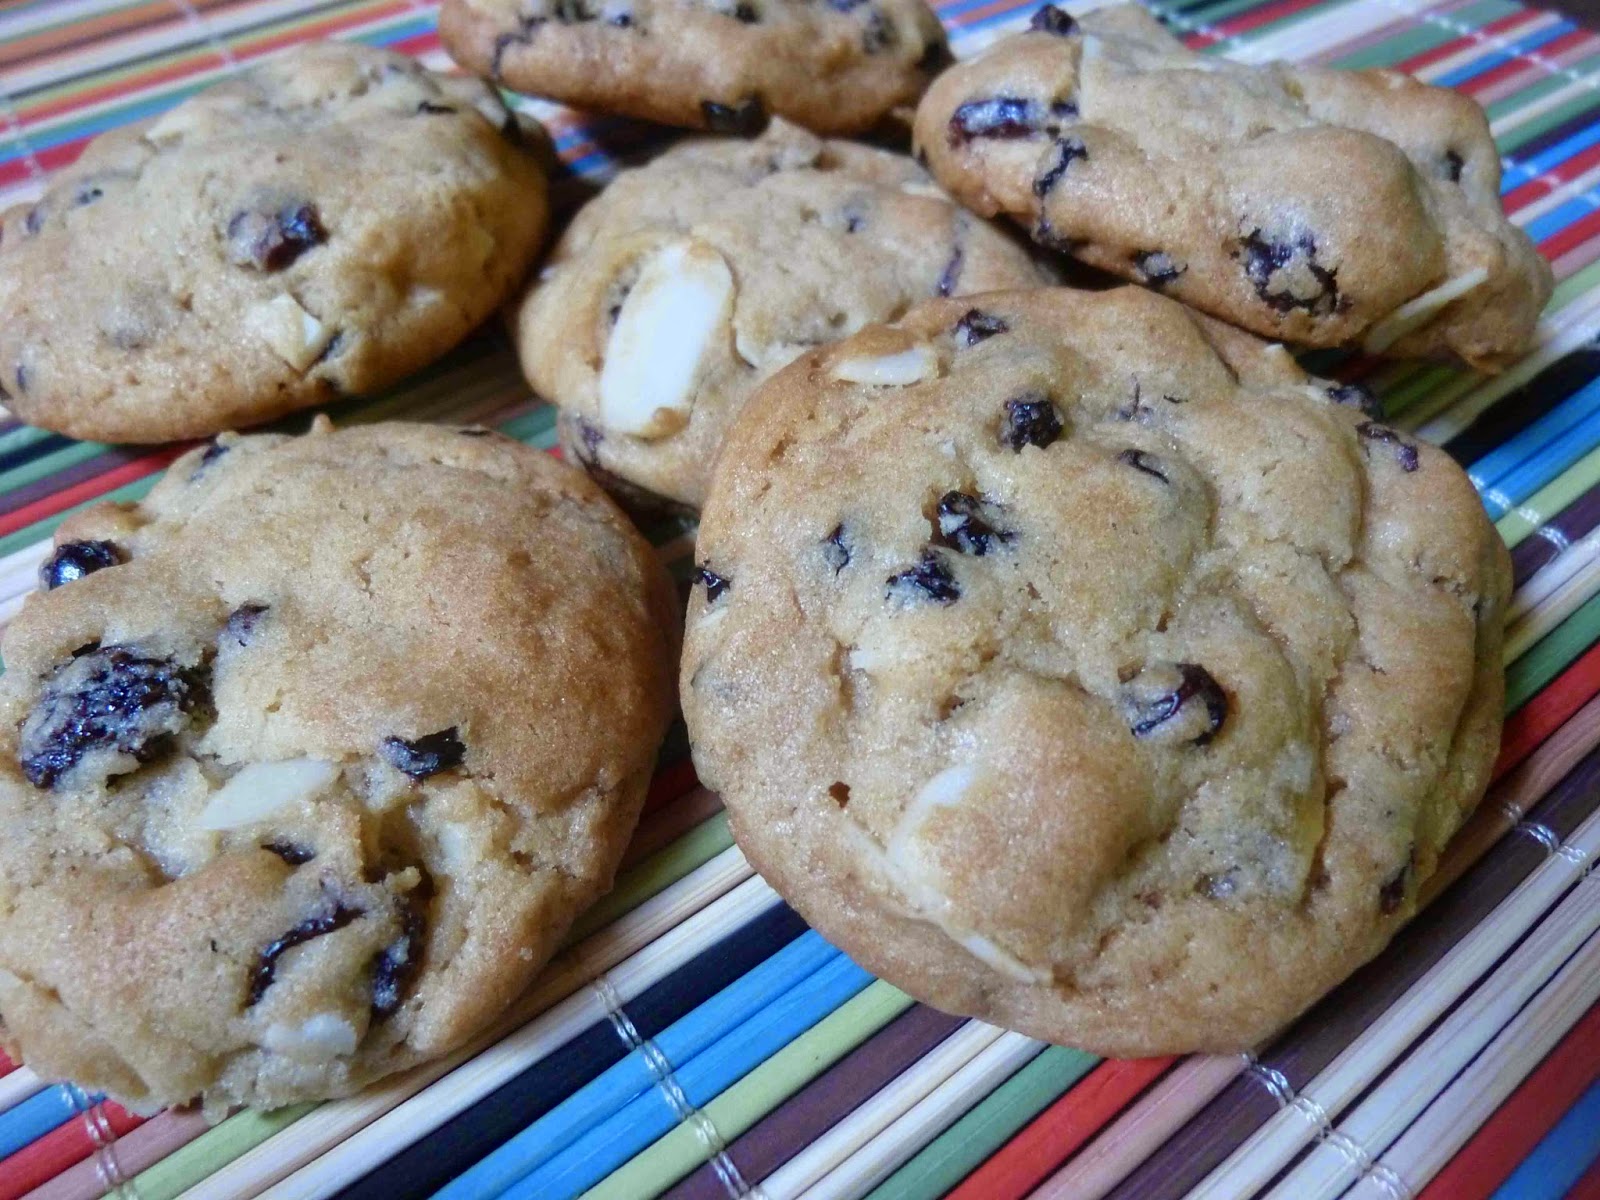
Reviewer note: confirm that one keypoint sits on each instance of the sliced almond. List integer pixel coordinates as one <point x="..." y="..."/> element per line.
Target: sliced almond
<point x="670" y="321"/>
<point x="315" y="1040"/>
<point x="262" y="790"/>
<point x="295" y="335"/>
<point x="172" y="125"/>
<point x="1419" y="310"/>
<point x="898" y="369"/>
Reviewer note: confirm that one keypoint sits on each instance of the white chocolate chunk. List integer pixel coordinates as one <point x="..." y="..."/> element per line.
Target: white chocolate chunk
<point x="908" y="366"/>
<point x="295" y="335"/>
<point x="316" y="1039"/>
<point x="671" y="319"/>
<point x="1419" y="310"/>
<point x="261" y="790"/>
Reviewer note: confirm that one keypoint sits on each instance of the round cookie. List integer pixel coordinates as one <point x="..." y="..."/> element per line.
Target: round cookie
<point x="689" y="281"/>
<point x="722" y="65"/>
<point x="320" y="225"/>
<point x="1076" y="662"/>
<point x="308" y="760"/>
<point x="1307" y="204"/>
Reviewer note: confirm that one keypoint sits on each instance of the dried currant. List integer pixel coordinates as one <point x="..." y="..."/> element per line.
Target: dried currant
<point x="1047" y="18"/>
<point x="291" y="852"/>
<point x="1157" y="267"/>
<point x="951" y="275"/>
<point x="1286" y="275"/>
<point x="1181" y="700"/>
<point x="976" y="326"/>
<point x="967" y="524"/>
<point x="426" y="755"/>
<point x="1355" y="395"/>
<point x="835" y="550"/>
<point x="1404" y="452"/>
<point x="242" y="622"/>
<point x="331" y="917"/>
<point x="106" y="698"/>
<point x="1062" y="155"/>
<point x="1140" y="461"/>
<point x="73" y="560"/>
<point x="714" y="584"/>
<point x="1007" y="117"/>
<point x="928" y="579"/>
<point x="270" y="241"/>
<point x="1030" y="420"/>
<point x="397" y="963"/>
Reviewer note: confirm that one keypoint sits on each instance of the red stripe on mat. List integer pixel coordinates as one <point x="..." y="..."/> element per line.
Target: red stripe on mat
<point x="1549" y="51"/>
<point x="1587" y="1188"/>
<point x="89" y="489"/>
<point x="1530" y="1112"/>
<point x="1055" y="1134"/>
<point x="42" y="1159"/>
<point x="1549" y="710"/>
<point x="1505" y="24"/>
<point x="6" y="1065"/>
<point x="1264" y="15"/>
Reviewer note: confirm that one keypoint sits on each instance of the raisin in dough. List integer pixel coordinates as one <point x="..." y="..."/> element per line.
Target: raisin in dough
<point x="321" y="225"/>
<point x="723" y="65"/>
<point x="687" y="282"/>
<point x="1308" y="204"/>
<point x="308" y="760"/>
<point x="1077" y="663"/>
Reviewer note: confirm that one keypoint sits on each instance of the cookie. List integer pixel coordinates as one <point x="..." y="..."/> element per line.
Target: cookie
<point x="1075" y="662"/>
<point x="837" y="67"/>
<point x="1310" y="205"/>
<point x="687" y="282"/>
<point x="318" y="226"/>
<point x="308" y="760"/>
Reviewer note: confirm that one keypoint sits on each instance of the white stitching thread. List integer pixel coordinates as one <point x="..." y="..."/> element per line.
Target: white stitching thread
<point x="1549" y="533"/>
<point x="1354" y="1152"/>
<point x="661" y="1069"/>
<point x="1542" y="834"/>
<point x="1389" y="1180"/>
<point x="192" y="16"/>
<point x="1274" y="1080"/>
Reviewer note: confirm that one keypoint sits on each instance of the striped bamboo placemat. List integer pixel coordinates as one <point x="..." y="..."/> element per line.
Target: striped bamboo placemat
<point x="696" y="1040"/>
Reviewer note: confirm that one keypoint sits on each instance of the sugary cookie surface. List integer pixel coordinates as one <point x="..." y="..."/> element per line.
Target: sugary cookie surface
<point x="687" y="282"/>
<point x="835" y="66"/>
<point x="1307" y="204"/>
<point x="320" y="225"/>
<point x="1078" y="663"/>
<point x="308" y="760"/>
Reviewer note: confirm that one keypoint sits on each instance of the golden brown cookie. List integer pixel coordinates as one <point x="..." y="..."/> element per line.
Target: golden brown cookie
<point x="1077" y="663"/>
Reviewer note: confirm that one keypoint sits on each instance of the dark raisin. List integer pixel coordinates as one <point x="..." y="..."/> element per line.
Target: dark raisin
<point x="426" y="755"/>
<point x="86" y="194"/>
<point x="1062" y="155"/>
<point x="397" y="963"/>
<point x="1354" y="395"/>
<point x="621" y="20"/>
<point x="1183" y="693"/>
<point x="505" y="41"/>
<point x="1030" y="420"/>
<point x="22" y="378"/>
<point x="1140" y="461"/>
<point x="967" y="524"/>
<point x="211" y="453"/>
<point x="714" y="584"/>
<point x="1047" y="18"/>
<point x="835" y="550"/>
<point x="291" y="852"/>
<point x="271" y="241"/>
<point x="1001" y="117"/>
<point x="951" y="275"/>
<point x="74" y="560"/>
<point x="1404" y="452"/>
<point x="745" y="118"/>
<point x="878" y="35"/>
<point x="106" y="698"/>
<point x="929" y="579"/>
<point x="1047" y="236"/>
<point x="1157" y="268"/>
<point x="591" y="437"/>
<point x="333" y="916"/>
<point x="242" y="622"/>
<point x="1393" y="892"/>
<point x="1453" y="163"/>
<point x="840" y="792"/>
<point x="34" y="221"/>
<point x="428" y="106"/>
<point x="1286" y="275"/>
<point x="746" y="13"/>
<point x="976" y="326"/>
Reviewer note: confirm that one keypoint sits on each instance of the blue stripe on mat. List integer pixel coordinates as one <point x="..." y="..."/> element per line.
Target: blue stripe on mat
<point x="1560" y="1160"/>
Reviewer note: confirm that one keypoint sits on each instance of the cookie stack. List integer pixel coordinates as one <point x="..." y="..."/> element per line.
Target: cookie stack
<point x="1067" y="655"/>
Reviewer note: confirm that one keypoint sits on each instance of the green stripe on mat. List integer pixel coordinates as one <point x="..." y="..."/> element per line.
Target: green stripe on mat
<point x="1551" y="499"/>
<point x="674" y="1155"/>
<point x="212" y="1150"/>
<point x="1426" y="35"/>
<point x="967" y="1144"/>
<point x="1527" y="677"/>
